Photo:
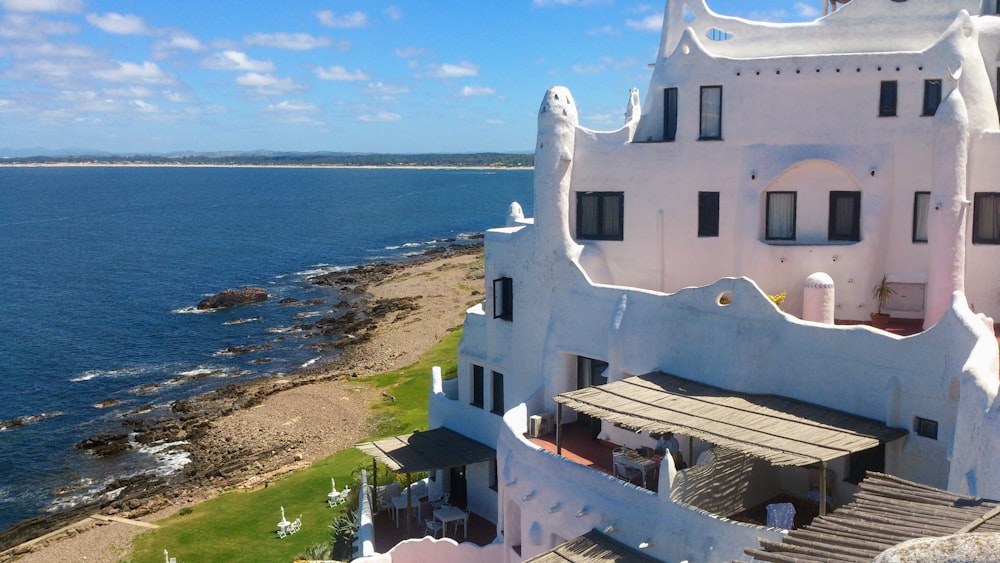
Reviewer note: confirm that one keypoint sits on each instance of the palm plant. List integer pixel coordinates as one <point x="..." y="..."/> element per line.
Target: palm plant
<point x="882" y="292"/>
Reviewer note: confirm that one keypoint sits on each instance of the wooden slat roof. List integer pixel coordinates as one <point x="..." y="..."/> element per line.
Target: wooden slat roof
<point x="439" y="448"/>
<point x="592" y="547"/>
<point x="781" y="430"/>
<point x="886" y="511"/>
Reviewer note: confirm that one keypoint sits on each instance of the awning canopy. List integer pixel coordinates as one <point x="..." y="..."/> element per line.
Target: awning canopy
<point x="439" y="448"/>
<point x="886" y="511"/>
<point x="783" y="431"/>
<point x="592" y="547"/>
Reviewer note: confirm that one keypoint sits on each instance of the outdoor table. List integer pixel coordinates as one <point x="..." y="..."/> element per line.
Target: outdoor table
<point x="643" y="464"/>
<point x="450" y="514"/>
<point x="283" y="528"/>
<point x="399" y="503"/>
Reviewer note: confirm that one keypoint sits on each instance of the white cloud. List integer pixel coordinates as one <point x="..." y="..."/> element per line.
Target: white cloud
<point x="148" y="73"/>
<point x="461" y="70"/>
<point x="267" y="84"/>
<point x="393" y="13"/>
<point x="653" y="22"/>
<point x="588" y="69"/>
<point x="806" y="10"/>
<point x="119" y="24"/>
<point x="130" y="92"/>
<point x="293" y="41"/>
<point x="353" y="19"/>
<point x="386" y="89"/>
<point x="176" y="97"/>
<point x="379" y="116"/>
<point x="411" y="52"/>
<point x="71" y="6"/>
<point x="293" y="106"/>
<point x="236" y="60"/>
<point x="340" y="73"/>
<point x="495" y="121"/>
<point x="144" y="107"/>
<point x="541" y="3"/>
<point x="476" y="91"/>
<point x="603" y="30"/>
<point x="25" y="26"/>
<point x="177" y="41"/>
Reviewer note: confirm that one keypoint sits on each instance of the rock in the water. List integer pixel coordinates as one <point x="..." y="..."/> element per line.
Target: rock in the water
<point x="104" y="444"/>
<point x="234" y="298"/>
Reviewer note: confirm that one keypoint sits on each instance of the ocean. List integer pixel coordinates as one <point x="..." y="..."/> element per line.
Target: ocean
<point x="101" y="268"/>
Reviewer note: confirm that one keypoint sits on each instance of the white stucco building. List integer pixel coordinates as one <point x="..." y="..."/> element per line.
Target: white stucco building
<point x="762" y="155"/>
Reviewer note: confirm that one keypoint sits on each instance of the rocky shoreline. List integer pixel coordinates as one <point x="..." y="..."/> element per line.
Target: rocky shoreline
<point x="217" y="463"/>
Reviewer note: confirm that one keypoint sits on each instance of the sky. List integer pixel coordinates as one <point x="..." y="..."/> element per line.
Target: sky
<point x="386" y="76"/>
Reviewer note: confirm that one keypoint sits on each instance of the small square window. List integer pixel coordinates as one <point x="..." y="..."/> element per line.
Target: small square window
<point x="708" y="214"/>
<point x="845" y="216"/>
<point x="926" y="428"/>
<point x="503" y="299"/>
<point x="932" y="96"/>
<point x="477" y="386"/>
<point x="711" y="113"/>
<point x="669" y="114"/>
<point x="780" y="216"/>
<point x="600" y="215"/>
<point x="887" y="99"/>
<point x="921" y="204"/>
<point x="986" y="218"/>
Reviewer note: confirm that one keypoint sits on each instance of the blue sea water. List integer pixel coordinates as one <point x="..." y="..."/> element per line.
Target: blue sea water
<point x="100" y="268"/>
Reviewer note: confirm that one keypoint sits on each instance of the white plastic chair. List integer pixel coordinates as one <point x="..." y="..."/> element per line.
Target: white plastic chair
<point x="464" y="522"/>
<point x="433" y="527"/>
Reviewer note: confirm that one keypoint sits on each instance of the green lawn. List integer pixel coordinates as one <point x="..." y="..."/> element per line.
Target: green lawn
<point x="240" y="525"/>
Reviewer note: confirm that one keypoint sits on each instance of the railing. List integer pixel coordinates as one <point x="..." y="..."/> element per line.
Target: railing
<point x="364" y="545"/>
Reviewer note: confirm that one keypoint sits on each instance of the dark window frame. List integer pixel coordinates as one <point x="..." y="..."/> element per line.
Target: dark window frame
<point x="708" y="214"/>
<point x="932" y="96"/>
<point x="917" y="196"/>
<point x="887" y="98"/>
<point x="855" y="234"/>
<point x="978" y="198"/>
<point x="503" y="299"/>
<point x="496" y="398"/>
<point x="603" y="231"/>
<point x="588" y="372"/>
<point x="478" y="388"/>
<point x="767" y="215"/>
<point x="925" y="427"/>
<point x="670" y="114"/>
<point x="702" y="121"/>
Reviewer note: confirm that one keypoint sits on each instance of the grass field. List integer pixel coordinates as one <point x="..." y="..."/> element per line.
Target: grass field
<point x="240" y="525"/>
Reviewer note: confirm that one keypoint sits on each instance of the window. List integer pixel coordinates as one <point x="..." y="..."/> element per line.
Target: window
<point x="669" y="114"/>
<point x="590" y="372"/>
<point x="711" y="113"/>
<point x="503" y="299"/>
<point x="932" y="96"/>
<point x="925" y="427"/>
<point x="477" y="386"/>
<point x="887" y="99"/>
<point x="497" y="394"/>
<point x="921" y="205"/>
<point x="845" y="215"/>
<point x="986" y="218"/>
<point x="872" y="459"/>
<point x="780" y="216"/>
<point x="708" y="214"/>
<point x="600" y="215"/>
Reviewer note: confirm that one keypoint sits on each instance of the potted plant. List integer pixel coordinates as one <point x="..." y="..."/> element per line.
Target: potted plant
<point x="882" y="292"/>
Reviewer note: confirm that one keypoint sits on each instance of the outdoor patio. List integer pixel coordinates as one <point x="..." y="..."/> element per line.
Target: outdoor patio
<point x="481" y="531"/>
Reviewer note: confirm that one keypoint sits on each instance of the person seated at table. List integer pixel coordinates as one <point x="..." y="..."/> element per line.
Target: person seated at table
<point x="667" y="443"/>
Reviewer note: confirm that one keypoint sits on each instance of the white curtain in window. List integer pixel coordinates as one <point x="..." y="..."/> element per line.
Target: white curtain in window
<point x="780" y="215"/>
<point x="921" y="206"/>
<point x="611" y="214"/>
<point x="589" y="220"/>
<point x="987" y="220"/>
<point x="711" y="112"/>
<point x="843" y="219"/>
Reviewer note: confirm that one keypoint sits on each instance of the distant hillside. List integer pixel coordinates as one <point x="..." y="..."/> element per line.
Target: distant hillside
<point x="263" y="158"/>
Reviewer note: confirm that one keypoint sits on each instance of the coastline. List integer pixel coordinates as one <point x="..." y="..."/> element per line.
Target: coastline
<point x="248" y="434"/>
<point x="205" y="165"/>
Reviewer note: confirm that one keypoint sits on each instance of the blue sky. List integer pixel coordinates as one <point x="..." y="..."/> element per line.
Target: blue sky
<point x="398" y="76"/>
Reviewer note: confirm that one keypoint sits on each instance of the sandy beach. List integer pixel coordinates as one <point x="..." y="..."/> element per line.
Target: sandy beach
<point x="282" y="424"/>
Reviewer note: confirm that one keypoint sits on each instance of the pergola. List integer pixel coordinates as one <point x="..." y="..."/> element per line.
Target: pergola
<point x="440" y="448"/>
<point x="783" y="431"/>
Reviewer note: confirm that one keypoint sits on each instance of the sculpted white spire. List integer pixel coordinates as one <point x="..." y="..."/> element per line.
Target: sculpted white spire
<point x="557" y="124"/>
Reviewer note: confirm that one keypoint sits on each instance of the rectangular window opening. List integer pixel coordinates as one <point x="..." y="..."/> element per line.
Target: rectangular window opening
<point x="932" y="97"/>
<point x="590" y="372"/>
<point x="780" y="221"/>
<point x="887" y="99"/>
<point x="708" y="214"/>
<point x="986" y="218"/>
<point x="477" y="386"/>
<point x="503" y="299"/>
<point x="921" y="205"/>
<point x="497" y="407"/>
<point x="926" y="427"/>
<point x="669" y="114"/>
<point x="711" y="113"/>
<point x="600" y="215"/>
<point x="845" y="216"/>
